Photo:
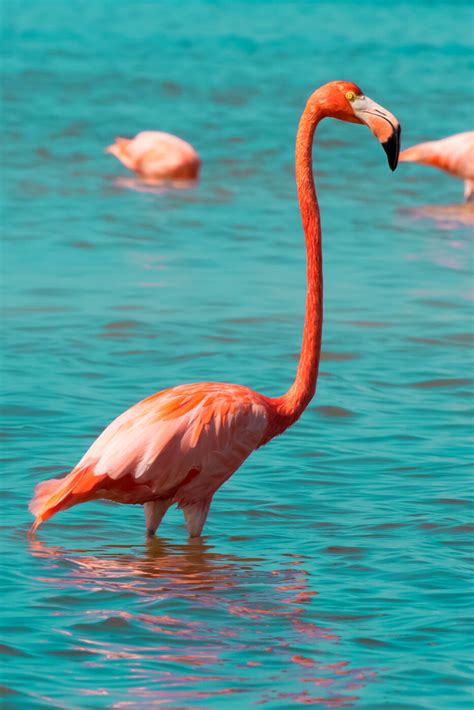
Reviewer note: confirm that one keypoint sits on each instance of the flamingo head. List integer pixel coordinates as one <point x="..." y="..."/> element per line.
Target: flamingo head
<point x="345" y="101"/>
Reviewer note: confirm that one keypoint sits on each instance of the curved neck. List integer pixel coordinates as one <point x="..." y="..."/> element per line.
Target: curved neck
<point x="295" y="401"/>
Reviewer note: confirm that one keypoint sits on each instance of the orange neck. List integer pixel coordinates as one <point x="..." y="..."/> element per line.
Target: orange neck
<point x="291" y="405"/>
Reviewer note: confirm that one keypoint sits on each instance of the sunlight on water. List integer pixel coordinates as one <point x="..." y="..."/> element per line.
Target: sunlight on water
<point x="335" y="566"/>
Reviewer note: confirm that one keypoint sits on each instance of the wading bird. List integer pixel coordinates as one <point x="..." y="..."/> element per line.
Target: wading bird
<point x="154" y="155"/>
<point x="181" y="444"/>
<point x="454" y="155"/>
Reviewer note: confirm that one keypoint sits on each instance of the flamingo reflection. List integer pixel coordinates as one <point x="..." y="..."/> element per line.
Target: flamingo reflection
<point x="445" y="217"/>
<point x="199" y="624"/>
<point x="152" y="186"/>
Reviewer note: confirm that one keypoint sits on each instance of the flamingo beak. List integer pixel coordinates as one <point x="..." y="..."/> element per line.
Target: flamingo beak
<point x="383" y="125"/>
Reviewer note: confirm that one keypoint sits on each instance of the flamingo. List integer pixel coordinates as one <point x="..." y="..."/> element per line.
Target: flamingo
<point x="454" y="155"/>
<point x="181" y="444"/>
<point x="155" y="155"/>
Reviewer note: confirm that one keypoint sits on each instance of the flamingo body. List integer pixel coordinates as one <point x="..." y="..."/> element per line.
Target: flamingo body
<point x="180" y="445"/>
<point x="454" y="155"/>
<point x="158" y="156"/>
<point x="213" y="427"/>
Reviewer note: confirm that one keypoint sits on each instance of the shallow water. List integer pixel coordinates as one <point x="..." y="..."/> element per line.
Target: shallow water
<point x="334" y="568"/>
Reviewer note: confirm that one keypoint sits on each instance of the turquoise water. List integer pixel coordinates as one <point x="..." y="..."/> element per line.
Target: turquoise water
<point x="334" y="567"/>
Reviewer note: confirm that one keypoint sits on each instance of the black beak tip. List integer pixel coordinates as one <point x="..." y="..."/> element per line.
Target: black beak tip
<point x="392" y="148"/>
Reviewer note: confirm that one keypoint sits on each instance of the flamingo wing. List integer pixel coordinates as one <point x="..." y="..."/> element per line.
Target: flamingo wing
<point x="164" y="155"/>
<point x="157" y="154"/>
<point x="151" y="140"/>
<point x="178" y="444"/>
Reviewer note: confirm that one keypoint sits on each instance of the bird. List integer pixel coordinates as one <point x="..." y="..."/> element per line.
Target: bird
<point x="155" y="155"/>
<point x="454" y="155"/>
<point x="181" y="444"/>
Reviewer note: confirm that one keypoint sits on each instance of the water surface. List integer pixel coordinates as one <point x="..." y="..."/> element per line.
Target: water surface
<point x="334" y="568"/>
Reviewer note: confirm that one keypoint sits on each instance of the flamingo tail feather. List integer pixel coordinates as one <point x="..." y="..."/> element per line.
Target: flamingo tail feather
<point x="57" y="494"/>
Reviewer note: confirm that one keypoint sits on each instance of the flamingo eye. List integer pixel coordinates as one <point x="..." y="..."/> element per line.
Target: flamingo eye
<point x="350" y="96"/>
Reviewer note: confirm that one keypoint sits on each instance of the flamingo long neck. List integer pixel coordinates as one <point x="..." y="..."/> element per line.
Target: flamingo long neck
<point x="292" y="404"/>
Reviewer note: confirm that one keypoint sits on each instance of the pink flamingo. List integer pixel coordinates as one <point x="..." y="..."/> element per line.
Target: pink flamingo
<point x="454" y="155"/>
<point x="181" y="444"/>
<point x="157" y="156"/>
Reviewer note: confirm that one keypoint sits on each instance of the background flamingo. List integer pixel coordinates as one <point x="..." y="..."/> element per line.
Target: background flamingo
<point x="157" y="156"/>
<point x="180" y="445"/>
<point x="454" y="155"/>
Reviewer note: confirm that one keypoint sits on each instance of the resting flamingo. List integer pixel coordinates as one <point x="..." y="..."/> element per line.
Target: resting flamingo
<point x="155" y="155"/>
<point x="181" y="444"/>
<point x="454" y="155"/>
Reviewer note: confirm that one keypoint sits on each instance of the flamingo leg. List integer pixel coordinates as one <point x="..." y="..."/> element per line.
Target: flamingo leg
<point x="154" y="512"/>
<point x="468" y="190"/>
<point x="196" y="516"/>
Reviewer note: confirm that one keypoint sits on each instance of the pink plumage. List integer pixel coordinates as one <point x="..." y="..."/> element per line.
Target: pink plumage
<point x="454" y="155"/>
<point x="177" y="446"/>
<point x="157" y="156"/>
